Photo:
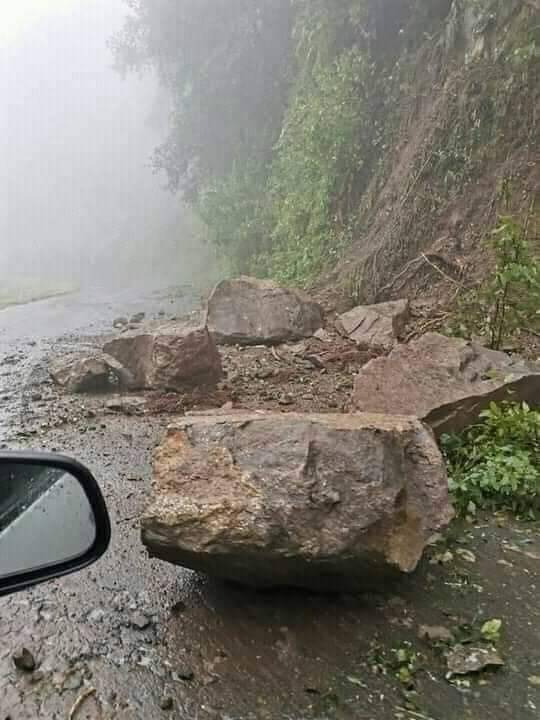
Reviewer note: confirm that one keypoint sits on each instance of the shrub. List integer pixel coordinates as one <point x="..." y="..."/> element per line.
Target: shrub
<point x="496" y="463"/>
<point x="508" y="300"/>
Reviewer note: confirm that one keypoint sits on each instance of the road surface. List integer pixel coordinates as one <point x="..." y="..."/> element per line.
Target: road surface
<point x="136" y="639"/>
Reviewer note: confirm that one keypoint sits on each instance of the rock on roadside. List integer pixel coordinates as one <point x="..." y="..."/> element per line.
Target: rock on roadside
<point x="329" y="502"/>
<point x="444" y="381"/>
<point x="170" y="357"/>
<point x="375" y="327"/>
<point x="94" y="373"/>
<point x="247" y="311"/>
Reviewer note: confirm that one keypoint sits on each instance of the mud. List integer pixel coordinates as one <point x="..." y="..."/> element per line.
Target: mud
<point x="133" y="638"/>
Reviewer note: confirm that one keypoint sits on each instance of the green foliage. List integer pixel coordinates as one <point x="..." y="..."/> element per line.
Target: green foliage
<point x="327" y="144"/>
<point x="234" y="211"/>
<point x="509" y="298"/>
<point x="496" y="463"/>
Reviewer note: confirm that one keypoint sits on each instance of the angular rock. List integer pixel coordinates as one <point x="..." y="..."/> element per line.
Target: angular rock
<point x="463" y="660"/>
<point x="247" y="311"/>
<point x="446" y="382"/>
<point x="327" y="502"/>
<point x="171" y="357"/>
<point x="137" y="318"/>
<point x="24" y="660"/>
<point x="120" y="322"/>
<point x="94" y="373"/>
<point x="375" y="327"/>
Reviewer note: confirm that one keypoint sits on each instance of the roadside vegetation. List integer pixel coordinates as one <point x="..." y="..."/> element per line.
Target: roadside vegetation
<point x="290" y="115"/>
<point x="507" y="301"/>
<point x="27" y="291"/>
<point x="495" y="464"/>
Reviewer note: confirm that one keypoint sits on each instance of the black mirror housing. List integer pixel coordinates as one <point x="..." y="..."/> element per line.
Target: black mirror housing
<point x="86" y="486"/>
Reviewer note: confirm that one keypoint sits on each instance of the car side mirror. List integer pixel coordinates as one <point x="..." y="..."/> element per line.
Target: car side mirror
<point x="53" y="519"/>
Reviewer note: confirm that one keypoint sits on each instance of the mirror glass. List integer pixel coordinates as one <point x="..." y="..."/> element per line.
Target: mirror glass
<point x="45" y="518"/>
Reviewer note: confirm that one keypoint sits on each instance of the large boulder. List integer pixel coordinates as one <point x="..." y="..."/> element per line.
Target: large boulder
<point x="446" y="382"/>
<point x="95" y="373"/>
<point x="248" y="311"/>
<point x="170" y="357"/>
<point x="375" y="327"/>
<point x="329" y="502"/>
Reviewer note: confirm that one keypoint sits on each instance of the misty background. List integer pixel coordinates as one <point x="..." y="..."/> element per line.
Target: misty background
<point x="78" y="203"/>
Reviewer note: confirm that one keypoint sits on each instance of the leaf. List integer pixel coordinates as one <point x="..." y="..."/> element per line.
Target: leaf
<point x="491" y="629"/>
<point x="466" y="555"/>
<point x="356" y="681"/>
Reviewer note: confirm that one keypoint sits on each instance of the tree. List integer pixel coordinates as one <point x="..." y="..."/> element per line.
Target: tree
<point x="225" y="62"/>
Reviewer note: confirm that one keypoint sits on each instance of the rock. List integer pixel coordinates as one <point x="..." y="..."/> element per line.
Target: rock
<point x="172" y="357"/>
<point x="166" y="703"/>
<point x="183" y="672"/>
<point x="120" y="322"/>
<point x="323" y="336"/>
<point x="96" y="616"/>
<point x="463" y="660"/>
<point x="24" y="660"/>
<point x="36" y="397"/>
<point x="375" y="327"/>
<point x="137" y="318"/>
<point x="435" y="633"/>
<point x="247" y="311"/>
<point x="140" y="621"/>
<point x="444" y="381"/>
<point x="94" y="373"/>
<point x="126" y="405"/>
<point x="328" y="502"/>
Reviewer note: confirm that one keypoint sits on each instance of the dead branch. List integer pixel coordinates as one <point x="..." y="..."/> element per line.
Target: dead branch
<point x="79" y="701"/>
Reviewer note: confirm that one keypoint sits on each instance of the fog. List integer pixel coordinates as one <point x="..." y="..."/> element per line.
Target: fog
<point x="78" y="202"/>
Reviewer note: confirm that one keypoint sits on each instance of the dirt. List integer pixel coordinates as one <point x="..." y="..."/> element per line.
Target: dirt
<point x="132" y="638"/>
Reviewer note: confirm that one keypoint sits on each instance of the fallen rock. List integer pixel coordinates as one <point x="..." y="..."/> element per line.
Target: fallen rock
<point x="95" y="373"/>
<point x="166" y="702"/>
<point x="140" y="621"/>
<point x="24" y="660"/>
<point x="329" y="502"/>
<point x="446" y="382"/>
<point x="171" y="357"/>
<point x="375" y="327"/>
<point x="126" y="405"/>
<point x="463" y="660"/>
<point x="137" y="318"/>
<point x="120" y="322"/>
<point x="247" y="311"/>
<point x="435" y="633"/>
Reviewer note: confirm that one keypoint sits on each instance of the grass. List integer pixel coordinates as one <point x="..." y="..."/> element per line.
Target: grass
<point x="29" y="291"/>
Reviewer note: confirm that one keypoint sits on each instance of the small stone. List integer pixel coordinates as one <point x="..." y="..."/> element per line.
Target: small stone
<point x="138" y="317"/>
<point x="435" y="633"/>
<point x="178" y="608"/>
<point x="463" y="660"/>
<point x="167" y="703"/>
<point x="120" y="322"/>
<point x="24" y="660"/>
<point x="140" y="621"/>
<point x="286" y="400"/>
<point x="96" y="615"/>
<point x="184" y="673"/>
<point x="36" y="397"/>
<point x="73" y="681"/>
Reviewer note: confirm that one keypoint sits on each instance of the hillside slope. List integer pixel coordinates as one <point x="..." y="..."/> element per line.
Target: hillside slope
<point x="466" y="149"/>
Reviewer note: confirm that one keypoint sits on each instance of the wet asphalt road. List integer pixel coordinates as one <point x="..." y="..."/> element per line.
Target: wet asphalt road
<point x="138" y="639"/>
